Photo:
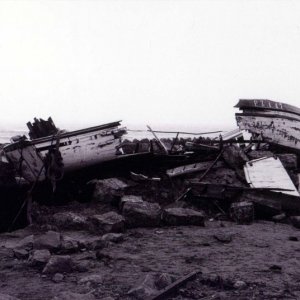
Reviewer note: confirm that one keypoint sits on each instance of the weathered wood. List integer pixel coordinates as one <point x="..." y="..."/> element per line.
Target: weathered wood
<point x="174" y="142"/>
<point x="193" y="168"/>
<point x="79" y="149"/>
<point x="276" y="122"/>
<point x="163" y="147"/>
<point x="175" y="285"/>
<point x="211" y="166"/>
<point x="268" y="172"/>
<point x="267" y="104"/>
<point x="232" y="187"/>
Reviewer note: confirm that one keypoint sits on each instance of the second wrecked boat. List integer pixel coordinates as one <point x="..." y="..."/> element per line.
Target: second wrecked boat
<point x="270" y="121"/>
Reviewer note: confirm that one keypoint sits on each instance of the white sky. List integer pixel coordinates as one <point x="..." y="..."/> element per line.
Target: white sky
<point x="170" y="64"/>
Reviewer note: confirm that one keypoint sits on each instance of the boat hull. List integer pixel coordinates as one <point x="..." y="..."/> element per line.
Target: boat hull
<point x="79" y="149"/>
<point x="280" y="127"/>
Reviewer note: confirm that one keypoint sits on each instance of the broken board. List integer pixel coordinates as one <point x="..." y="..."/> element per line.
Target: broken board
<point x="268" y="172"/>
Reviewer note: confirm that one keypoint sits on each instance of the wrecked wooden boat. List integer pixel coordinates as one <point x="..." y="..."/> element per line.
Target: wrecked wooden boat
<point x="51" y="149"/>
<point x="272" y="122"/>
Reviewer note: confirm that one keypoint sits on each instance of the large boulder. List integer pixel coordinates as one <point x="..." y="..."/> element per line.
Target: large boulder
<point x="59" y="264"/>
<point x="108" y="222"/>
<point x="21" y="253"/>
<point x="70" y="220"/>
<point x="39" y="258"/>
<point x="69" y="245"/>
<point x="130" y="198"/>
<point x="182" y="216"/>
<point x="50" y="240"/>
<point x="295" y="220"/>
<point x="108" y="190"/>
<point x="26" y="243"/>
<point x="141" y="214"/>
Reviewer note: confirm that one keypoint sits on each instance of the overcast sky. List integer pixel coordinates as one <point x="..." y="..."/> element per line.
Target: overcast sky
<point x="170" y="64"/>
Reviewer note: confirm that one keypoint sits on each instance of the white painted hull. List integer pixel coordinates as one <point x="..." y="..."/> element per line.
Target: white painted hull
<point x="84" y="150"/>
<point x="278" y="130"/>
<point x="79" y="149"/>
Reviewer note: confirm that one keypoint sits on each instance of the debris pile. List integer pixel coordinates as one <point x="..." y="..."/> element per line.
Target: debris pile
<point x="83" y="193"/>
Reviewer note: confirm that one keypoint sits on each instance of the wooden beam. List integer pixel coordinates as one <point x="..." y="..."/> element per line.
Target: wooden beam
<point x="158" y="140"/>
<point x="161" y="295"/>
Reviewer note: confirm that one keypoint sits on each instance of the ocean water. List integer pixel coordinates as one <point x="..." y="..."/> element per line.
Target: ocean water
<point x="6" y="135"/>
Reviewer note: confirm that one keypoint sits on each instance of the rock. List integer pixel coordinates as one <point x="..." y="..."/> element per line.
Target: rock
<point x="223" y="237"/>
<point x="108" y="222"/>
<point x="239" y="285"/>
<point x="59" y="264"/>
<point x="177" y="204"/>
<point x="103" y="255"/>
<point x="163" y="280"/>
<point x="144" y="289"/>
<point x="39" y="258"/>
<point x="83" y="266"/>
<point x="108" y="190"/>
<point x="293" y="238"/>
<point x="91" y="280"/>
<point x="69" y="245"/>
<point x="26" y="243"/>
<point x="183" y="216"/>
<point x="97" y="244"/>
<point x="70" y="220"/>
<point x="242" y="212"/>
<point x="113" y="237"/>
<point x="295" y="221"/>
<point x="130" y="198"/>
<point x="279" y="218"/>
<point x="7" y="297"/>
<point x="74" y="296"/>
<point x="6" y="253"/>
<point x="21" y="253"/>
<point x="276" y="268"/>
<point x="50" y="240"/>
<point x="58" y="277"/>
<point x="141" y="214"/>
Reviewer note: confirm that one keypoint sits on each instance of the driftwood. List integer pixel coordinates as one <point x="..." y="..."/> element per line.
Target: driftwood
<point x="172" y="287"/>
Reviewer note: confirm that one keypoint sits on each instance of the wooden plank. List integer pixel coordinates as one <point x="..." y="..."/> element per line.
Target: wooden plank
<point x="172" y="287"/>
<point x="268" y="172"/>
<point x="164" y="148"/>
<point x="211" y="166"/>
<point x="193" y="168"/>
<point x="267" y="104"/>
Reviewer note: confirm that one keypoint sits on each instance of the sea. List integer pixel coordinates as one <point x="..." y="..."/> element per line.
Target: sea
<point x="6" y="135"/>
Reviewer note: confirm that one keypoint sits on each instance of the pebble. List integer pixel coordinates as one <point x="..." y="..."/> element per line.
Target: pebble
<point x="58" y="277"/>
<point x="239" y="284"/>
